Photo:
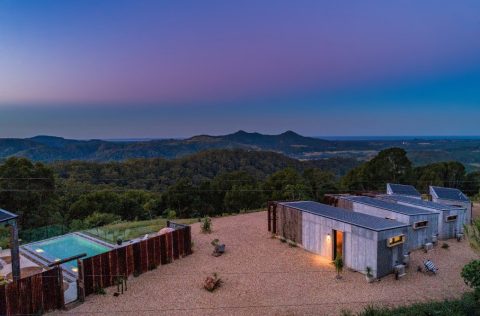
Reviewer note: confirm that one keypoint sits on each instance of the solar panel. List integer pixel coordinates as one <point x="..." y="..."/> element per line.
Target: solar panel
<point x="404" y="189"/>
<point x="450" y="194"/>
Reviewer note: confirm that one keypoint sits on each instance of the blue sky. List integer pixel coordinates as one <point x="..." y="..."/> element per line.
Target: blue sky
<point x="133" y="69"/>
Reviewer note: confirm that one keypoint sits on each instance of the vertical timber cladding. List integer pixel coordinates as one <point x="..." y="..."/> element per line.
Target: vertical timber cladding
<point x="33" y="295"/>
<point x="345" y="204"/>
<point x="103" y="269"/>
<point x="289" y="223"/>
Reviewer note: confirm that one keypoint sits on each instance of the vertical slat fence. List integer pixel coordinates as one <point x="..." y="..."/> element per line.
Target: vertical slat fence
<point x="103" y="270"/>
<point x="33" y="295"/>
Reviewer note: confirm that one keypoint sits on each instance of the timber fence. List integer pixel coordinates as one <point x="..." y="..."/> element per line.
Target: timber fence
<point x="110" y="268"/>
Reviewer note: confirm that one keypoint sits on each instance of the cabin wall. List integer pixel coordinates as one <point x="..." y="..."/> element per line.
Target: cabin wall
<point x="450" y="229"/>
<point x="289" y="223"/>
<point x="467" y="216"/>
<point x="416" y="238"/>
<point x="361" y="246"/>
<point x="419" y="237"/>
<point x="389" y="257"/>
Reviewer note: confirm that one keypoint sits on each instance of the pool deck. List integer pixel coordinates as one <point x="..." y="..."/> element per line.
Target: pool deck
<point x="25" y="262"/>
<point x="69" y="276"/>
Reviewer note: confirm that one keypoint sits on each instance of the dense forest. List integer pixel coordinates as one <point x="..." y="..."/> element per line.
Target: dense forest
<point x="80" y="194"/>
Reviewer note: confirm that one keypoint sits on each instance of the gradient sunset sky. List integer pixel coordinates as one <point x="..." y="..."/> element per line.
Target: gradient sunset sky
<point x="132" y="69"/>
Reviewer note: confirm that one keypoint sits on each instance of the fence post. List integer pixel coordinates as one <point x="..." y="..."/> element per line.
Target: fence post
<point x="61" y="298"/>
<point x="81" y="281"/>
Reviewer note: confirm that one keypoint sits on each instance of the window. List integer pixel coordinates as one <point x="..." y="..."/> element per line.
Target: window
<point x="418" y="225"/>
<point x="451" y="218"/>
<point x="394" y="241"/>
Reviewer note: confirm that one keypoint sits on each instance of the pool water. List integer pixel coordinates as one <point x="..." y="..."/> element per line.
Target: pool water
<point x="66" y="246"/>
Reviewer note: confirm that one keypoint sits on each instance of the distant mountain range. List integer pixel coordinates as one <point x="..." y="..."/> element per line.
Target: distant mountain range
<point x="50" y="148"/>
<point x="421" y="151"/>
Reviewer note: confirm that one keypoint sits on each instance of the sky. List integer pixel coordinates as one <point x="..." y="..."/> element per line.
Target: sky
<point x="155" y="69"/>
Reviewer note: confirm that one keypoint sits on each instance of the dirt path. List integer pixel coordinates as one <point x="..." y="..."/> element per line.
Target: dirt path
<point x="263" y="276"/>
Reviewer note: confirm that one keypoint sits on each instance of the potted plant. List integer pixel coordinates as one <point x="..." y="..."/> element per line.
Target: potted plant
<point x="338" y="263"/>
<point x="119" y="241"/>
<point x="369" y="276"/>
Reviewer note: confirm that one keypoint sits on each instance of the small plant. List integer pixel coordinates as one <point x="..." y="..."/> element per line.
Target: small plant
<point x="283" y="240"/>
<point x="292" y="244"/>
<point x="206" y="225"/>
<point x="346" y="312"/>
<point x="338" y="263"/>
<point x="219" y="249"/>
<point x="212" y="283"/>
<point x="445" y="245"/>
<point x="3" y="281"/>
<point x="100" y="291"/>
<point x="369" y="275"/>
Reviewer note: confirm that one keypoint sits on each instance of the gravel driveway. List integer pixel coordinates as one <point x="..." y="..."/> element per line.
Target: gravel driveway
<point x="263" y="276"/>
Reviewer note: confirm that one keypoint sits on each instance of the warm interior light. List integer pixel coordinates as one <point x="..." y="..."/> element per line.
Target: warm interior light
<point x="39" y="250"/>
<point x="328" y="237"/>
<point x="75" y="269"/>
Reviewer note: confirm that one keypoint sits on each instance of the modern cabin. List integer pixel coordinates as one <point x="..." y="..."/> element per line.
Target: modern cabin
<point x="450" y="218"/>
<point x="422" y="224"/>
<point x="361" y="240"/>
<point x="402" y="189"/>
<point x="453" y="197"/>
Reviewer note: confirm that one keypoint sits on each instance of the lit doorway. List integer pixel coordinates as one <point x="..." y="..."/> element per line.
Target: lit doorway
<point x="337" y="244"/>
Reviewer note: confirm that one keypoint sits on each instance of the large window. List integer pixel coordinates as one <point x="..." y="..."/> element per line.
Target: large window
<point x="421" y="224"/>
<point x="394" y="241"/>
<point x="451" y="218"/>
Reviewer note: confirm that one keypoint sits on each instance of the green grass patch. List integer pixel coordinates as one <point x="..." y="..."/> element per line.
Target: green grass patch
<point x="131" y="230"/>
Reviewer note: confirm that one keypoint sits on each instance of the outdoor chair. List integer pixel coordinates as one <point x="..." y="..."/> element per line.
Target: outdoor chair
<point x="430" y="266"/>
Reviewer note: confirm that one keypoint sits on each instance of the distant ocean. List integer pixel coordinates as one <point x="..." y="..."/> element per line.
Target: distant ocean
<point x="397" y="138"/>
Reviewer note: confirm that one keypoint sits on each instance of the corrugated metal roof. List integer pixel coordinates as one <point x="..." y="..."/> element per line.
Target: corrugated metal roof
<point x="6" y="216"/>
<point x="449" y="194"/>
<point x="345" y="216"/>
<point x="414" y="201"/>
<point x="403" y="189"/>
<point x="389" y="205"/>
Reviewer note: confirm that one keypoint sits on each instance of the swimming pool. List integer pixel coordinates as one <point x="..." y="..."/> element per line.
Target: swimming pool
<point x="65" y="246"/>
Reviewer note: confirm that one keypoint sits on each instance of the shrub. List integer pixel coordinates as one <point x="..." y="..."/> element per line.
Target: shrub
<point x="338" y="263"/>
<point x="471" y="275"/>
<point x="445" y="245"/>
<point x="100" y="291"/>
<point x="169" y="214"/>
<point x="467" y="305"/>
<point x="211" y="283"/>
<point x="207" y="225"/>
<point x="215" y="242"/>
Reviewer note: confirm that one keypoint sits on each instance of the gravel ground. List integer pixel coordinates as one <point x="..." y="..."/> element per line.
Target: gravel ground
<point x="263" y="276"/>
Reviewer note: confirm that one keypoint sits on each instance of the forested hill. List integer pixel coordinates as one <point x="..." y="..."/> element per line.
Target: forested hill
<point x="49" y="148"/>
<point x="158" y="173"/>
<point x="420" y="151"/>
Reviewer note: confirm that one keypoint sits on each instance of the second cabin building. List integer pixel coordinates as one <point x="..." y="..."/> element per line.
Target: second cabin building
<point x="450" y="218"/>
<point x="422" y="224"/>
<point x="361" y="240"/>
